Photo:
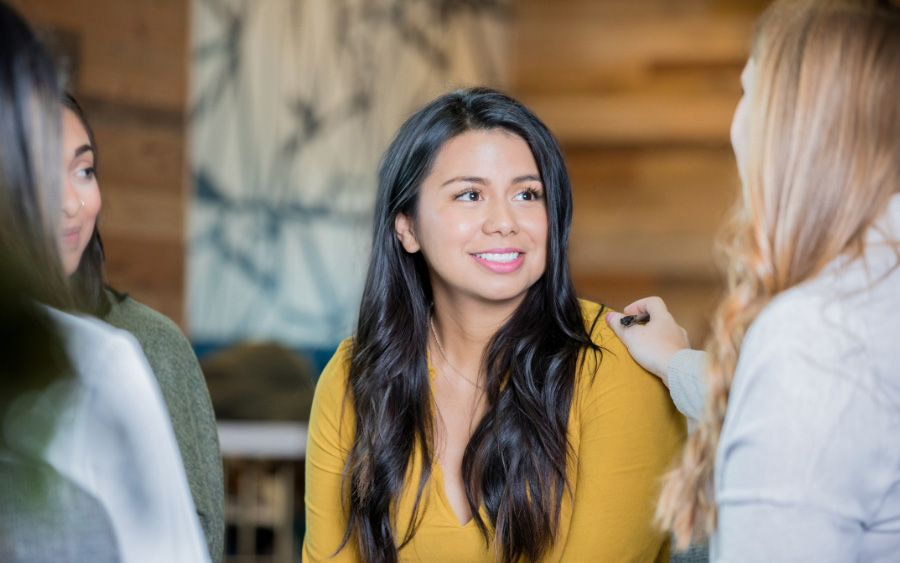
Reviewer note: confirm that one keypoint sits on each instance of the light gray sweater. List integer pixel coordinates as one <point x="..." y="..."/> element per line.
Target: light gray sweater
<point x="808" y="464"/>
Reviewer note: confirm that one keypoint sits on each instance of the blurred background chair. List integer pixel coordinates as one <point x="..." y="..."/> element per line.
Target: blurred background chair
<point x="262" y="395"/>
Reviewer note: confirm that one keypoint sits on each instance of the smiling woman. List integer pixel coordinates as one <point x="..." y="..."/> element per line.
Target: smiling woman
<point x="481" y="412"/>
<point x="481" y="213"/>
<point x="167" y="350"/>
<point x="81" y="195"/>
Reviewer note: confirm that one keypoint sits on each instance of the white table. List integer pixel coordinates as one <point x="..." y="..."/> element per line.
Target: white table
<point x="263" y="456"/>
<point x="262" y="440"/>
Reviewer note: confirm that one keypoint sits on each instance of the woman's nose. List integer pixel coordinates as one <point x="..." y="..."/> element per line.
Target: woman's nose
<point x="71" y="203"/>
<point x="501" y="218"/>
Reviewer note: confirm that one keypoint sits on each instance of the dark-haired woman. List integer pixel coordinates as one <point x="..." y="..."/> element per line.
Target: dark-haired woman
<point x="481" y="412"/>
<point x="169" y="353"/>
<point x="81" y="408"/>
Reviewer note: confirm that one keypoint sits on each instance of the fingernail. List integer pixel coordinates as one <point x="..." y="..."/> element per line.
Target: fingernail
<point x="608" y="315"/>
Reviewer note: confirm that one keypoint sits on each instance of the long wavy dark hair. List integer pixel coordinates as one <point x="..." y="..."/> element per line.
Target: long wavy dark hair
<point x="88" y="281"/>
<point x="515" y="463"/>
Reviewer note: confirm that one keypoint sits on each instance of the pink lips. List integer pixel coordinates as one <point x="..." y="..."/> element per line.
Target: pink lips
<point x="70" y="235"/>
<point x="501" y="267"/>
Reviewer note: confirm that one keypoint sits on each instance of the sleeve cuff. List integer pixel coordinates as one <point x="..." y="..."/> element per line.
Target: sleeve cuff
<point x="687" y="381"/>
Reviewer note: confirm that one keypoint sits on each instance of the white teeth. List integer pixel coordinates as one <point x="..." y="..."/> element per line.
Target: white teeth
<point x="508" y="257"/>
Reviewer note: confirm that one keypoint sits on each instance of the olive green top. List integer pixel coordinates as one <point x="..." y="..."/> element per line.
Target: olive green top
<point x="184" y="390"/>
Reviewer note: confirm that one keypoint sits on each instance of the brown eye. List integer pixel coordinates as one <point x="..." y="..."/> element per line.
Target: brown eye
<point x="469" y="195"/>
<point x="86" y="173"/>
<point x="530" y="194"/>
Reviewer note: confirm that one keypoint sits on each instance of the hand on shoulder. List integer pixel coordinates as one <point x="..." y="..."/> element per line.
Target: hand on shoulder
<point x="653" y="344"/>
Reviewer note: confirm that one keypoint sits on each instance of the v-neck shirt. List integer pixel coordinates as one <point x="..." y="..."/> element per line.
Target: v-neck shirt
<point x="624" y="432"/>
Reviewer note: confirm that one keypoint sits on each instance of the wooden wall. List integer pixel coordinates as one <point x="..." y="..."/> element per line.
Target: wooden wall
<point x="640" y="94"/>
<point x="127" y="63"/>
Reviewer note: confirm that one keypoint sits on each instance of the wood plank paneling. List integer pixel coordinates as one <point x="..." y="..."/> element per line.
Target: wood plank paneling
<point x="144" y="156"/>
<point x="132" y="52"/>
<point x="691" y="301"/>
<point x="636" y="118"/>
<point x="649" y="211"/>
<point x="640" y="95"/>
<point x="127" y="65"/>
<point x="130" y="211"/>
<point x="154" y="270"/>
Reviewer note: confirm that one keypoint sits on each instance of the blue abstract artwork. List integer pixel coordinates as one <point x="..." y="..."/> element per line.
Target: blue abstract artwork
<point x="292" y="103"/>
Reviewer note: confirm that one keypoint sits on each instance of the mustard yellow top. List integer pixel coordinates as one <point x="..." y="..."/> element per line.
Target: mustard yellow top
<point x="624" y="430"/>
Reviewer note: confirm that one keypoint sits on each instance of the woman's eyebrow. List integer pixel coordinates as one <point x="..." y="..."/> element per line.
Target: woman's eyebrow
<point x="484" y="182"/>
<point x="83" y="149"/>
<point x="470" y="179"/>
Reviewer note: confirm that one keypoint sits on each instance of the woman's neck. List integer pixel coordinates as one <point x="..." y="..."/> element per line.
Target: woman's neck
<point x="465" y="328"/>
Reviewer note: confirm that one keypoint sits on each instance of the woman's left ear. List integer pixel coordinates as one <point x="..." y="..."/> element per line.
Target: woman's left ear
<point x="403" y="225"/>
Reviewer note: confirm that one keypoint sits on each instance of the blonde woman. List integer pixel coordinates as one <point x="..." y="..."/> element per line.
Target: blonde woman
<point x="804" y="465"/>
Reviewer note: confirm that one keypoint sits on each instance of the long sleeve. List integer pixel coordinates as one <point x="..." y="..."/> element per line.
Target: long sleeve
<point x="624" y="432"/>
<point x="113" y="438"/>
<point x="147" y="466"/>
<point x="629" y="435"/>
<point x="198" y="440"/>
<point x="189" y="407"/>
<point x="808" y="452"/>
<point x="331" y="430"/>
<point x="687" y="381"/>
<point x="808" y="465"/>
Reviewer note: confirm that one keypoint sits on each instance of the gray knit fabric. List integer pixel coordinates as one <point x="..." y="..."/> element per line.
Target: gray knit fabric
<point x="184" y="390"/>
<point x="694" y="554"/>
<point x="46" y="518"/>
<point x="687" y="385"/>
<point x="687" y="381"/>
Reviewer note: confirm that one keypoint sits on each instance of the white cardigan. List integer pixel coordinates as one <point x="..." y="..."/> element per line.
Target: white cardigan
<point x="111" y="435"/>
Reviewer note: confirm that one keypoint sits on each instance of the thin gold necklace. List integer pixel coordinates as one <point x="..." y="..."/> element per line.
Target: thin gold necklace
<point x="444" y="354"/>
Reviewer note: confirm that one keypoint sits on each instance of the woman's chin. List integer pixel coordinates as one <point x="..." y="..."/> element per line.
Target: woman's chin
<point x="70" y="264"/>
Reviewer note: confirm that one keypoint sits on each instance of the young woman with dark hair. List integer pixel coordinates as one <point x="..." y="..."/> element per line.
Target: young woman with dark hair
<point x="167" y="350"/>
<point x="82" y="248"/>
<point x="91" y="414"/>
<point x="481" y="412"/>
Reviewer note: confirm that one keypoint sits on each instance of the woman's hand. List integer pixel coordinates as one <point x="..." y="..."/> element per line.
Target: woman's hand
<point x="653" y="344"/>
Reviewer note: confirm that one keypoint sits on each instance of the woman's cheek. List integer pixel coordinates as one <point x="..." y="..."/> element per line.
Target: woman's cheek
<point x="92" y="205"/>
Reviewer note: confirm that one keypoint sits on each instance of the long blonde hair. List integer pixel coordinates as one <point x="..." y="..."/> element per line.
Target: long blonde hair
<point x="823" y="160"/>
